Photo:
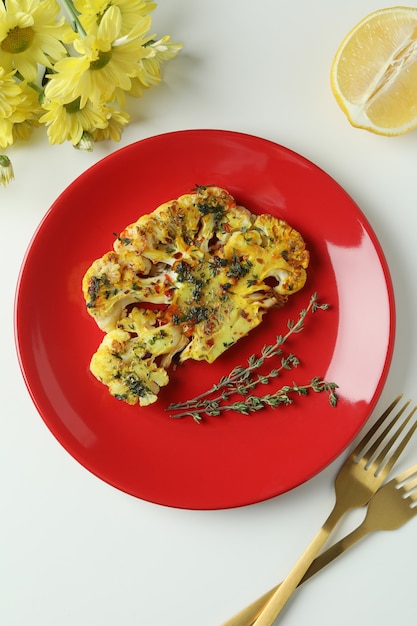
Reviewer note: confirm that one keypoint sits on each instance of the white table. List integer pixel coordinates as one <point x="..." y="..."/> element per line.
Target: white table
<point x="76" y="551"/>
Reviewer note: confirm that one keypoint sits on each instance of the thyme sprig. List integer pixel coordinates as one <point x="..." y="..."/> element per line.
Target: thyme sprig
<point x="243" y="379"/>
<point x="254" y="403"/>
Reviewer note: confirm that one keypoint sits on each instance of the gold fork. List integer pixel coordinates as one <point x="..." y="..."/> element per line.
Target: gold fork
<point x="360" y="477"/>
<point x="390" y="508"/>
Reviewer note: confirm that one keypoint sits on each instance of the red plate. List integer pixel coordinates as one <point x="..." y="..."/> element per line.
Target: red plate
<point x="230" y="460"/>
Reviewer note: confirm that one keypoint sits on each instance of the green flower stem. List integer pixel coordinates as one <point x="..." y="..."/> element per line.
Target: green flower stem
<point x="36" y="87"/>
<point x="73" y="13"/>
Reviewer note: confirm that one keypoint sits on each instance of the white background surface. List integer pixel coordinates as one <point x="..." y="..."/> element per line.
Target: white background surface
<point x="75" y="551"/>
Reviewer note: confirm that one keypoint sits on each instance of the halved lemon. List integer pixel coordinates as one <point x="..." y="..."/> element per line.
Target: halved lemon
<point x="374" y="72"/>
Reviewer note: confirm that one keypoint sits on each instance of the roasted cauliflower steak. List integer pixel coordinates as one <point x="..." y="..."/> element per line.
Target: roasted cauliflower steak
<point x="186" y="281"/>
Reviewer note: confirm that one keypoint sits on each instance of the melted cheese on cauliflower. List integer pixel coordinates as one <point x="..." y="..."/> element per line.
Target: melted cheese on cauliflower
<point x="187" y="281"/>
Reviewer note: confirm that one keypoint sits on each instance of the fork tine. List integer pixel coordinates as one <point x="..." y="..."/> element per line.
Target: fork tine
<point x="372" y="450"/>
<point x="395" y="455"/>
<point x="404" y="476"/>
<point x="374" y="447"/>
<point x="411" y="484"/>
<point x="368" y="436"/>
<point x="410" y="497"/>
<point x="407" y="483"/>
<point x="408" y="487"/>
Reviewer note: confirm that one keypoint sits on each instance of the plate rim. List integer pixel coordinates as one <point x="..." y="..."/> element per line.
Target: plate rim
<point x="114" y="155"/>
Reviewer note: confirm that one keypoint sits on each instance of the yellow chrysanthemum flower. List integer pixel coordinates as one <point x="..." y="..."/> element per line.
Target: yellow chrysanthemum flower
<point x="71" y="73"/>
<point x="68" y="122"/>
<point x="10" y="93"/>
<point x="6" y="131"/>
<point x="92" y="11"/>
<point x="149" y="68"/>
<point x="31" y="33"/>
<point x="116" y="121"/>
<point x="106" y="61"/>
<point x="27" y="113"/>
<point x="19" y="108"/>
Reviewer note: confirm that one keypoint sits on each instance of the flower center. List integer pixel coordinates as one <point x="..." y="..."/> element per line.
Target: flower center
<point x="104" y="57"/>
<point x="74" y="106"/>
<point x="18" y="40"/>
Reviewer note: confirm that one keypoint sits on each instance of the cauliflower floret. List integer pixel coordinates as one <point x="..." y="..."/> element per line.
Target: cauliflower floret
<point x="109" y="287"/>
<point x="274" y="250"/>
<point x="119" y="364"/>
<point x="212" y="269"/>
<point x="132" y="359"/>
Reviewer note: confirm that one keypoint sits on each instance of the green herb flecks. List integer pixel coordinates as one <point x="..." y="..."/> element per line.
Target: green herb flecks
<point x="124" y="240"/>
<point x="96" y="283"/>
<point x="136" y="386"/>
<point x="160" y="335"/>
<point x="184" y="272"/>
<point x="196" y="314"/>
<point x="216" y="263"/>
<point x="210" y="204"/>
<point x="238" y="268"/>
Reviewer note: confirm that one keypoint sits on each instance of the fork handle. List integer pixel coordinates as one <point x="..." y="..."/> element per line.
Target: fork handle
<point x="248" y="615"/>
<point x="280" y="597"/>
